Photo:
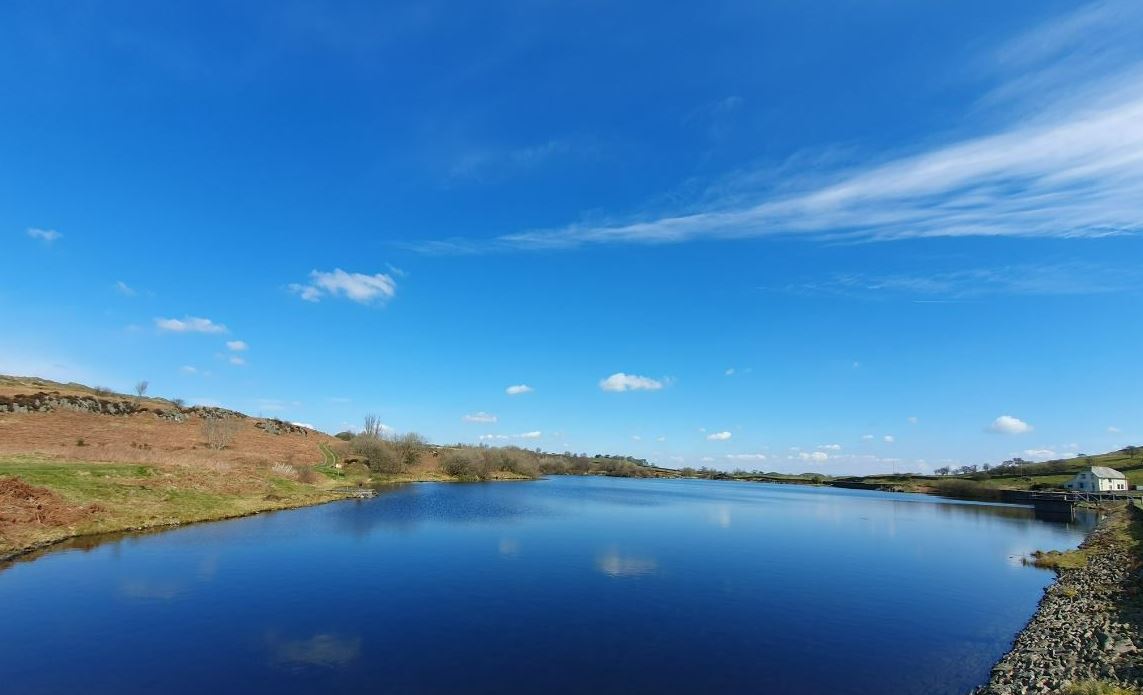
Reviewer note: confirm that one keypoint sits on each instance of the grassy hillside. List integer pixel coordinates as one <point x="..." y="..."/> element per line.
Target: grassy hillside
<point x="78" y="460"/>
<point x="1046" y="475"/>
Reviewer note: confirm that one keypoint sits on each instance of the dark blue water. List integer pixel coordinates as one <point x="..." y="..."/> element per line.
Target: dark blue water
<point x="565" y="585"/>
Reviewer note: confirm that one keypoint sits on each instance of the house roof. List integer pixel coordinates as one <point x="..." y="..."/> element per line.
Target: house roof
<point x="1105" y="472"/>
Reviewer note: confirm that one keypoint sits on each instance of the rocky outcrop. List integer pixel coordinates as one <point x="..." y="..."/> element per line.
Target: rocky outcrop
<point x="275" y="426"/>
<point x="49" y="401"/>
<point x="1087" y="625"/>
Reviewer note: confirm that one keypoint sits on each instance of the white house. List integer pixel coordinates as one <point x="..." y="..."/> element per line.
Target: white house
<point x="1098" y="479"/>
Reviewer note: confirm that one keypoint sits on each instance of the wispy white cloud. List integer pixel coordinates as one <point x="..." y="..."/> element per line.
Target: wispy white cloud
<point x="1112" y="429"/>
<point x="189" y="324"/>
<point x="1007" y="424"/>
<point x="746" y="457"/>
<point x="479" y="417"/>
<point x="912" y="419"/>
<point x="719" y="436"/>
<point x="45" y="235"/>
<point x="815" y="456"/>
<point x="629" y="382"/>
<point x="237" y="345"/>
<point x="1068" y="162"/>
<point x="888" y="439"/>
<point x="1024" y="279"/>
<point x="489" y="163"/>
<point x="518" y="389"/>
<point x="1042" y="454"/>
<point x="830" y="447"/>
<point x="124" y="289"/>
<point x="357" y="287"/>
<point x="500" y="437"/>
<point x="236" y="361"/>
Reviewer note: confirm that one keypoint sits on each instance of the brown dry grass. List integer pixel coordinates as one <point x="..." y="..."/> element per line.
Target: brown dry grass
<point x="144" y="438"/>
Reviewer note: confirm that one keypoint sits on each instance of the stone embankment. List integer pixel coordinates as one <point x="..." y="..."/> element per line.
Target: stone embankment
<point x="1087" y="627"/>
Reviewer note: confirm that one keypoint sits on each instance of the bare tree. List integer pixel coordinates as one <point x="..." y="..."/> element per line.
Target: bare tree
<point x="219" y="432"/>
<point x="372" y="427"/>
<point x="141" y="388"/>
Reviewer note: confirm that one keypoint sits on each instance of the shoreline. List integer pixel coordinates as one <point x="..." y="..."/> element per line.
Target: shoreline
<point x="15" y="554"/>
<point x="1086" y="626"/>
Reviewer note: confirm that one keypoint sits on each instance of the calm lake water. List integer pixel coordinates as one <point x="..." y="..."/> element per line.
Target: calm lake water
<point x="564" y="585"/>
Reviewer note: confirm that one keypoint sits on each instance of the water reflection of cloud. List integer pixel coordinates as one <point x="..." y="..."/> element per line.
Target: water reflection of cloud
<point x="323" y="649"/>
<point x="721" y="516"/>
<point x="146" y="589"/>
<point x="615" y="564"/>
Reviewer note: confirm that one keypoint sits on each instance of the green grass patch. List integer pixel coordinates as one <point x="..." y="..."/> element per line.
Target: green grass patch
<point x="77" y="481"/>
<point x="1056" y="560"/>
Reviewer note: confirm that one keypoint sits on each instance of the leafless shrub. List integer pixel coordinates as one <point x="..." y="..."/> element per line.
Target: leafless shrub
<point x="381" y="455"/>
<point x="408" y="448"/>
<point x="308" y="475"/>
<point x="284" y="470"/>
<point x="219" y="432"/>
<point x="141" y="388"/>
<point x="466" y="464"/>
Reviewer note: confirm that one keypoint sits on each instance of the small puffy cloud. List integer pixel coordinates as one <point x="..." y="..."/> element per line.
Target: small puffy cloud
<point x="729" y="372"/>
<point x="1040" y="453"/>
<point x="124" y="289"/>
<point x="237" y="345"/>
<point x="236" y="361"/>
<point x="719" y="436"/>
<point x="636" y="438"/>
<point x="867" y="437"/>
<point x="913" y="420"/>
<point x="357" y="287"/>
<point x="888" y="439"/>
<point x="1112" y="429"/>
<point x="629" y="382"/>
<point x="479" y="417"/>
<point x="518" y="389"/>
<point x="1006" y="424"/>
<point x="815" y="456"/>
<point x="45" y="235"/>
<point x="660" y="439"/>
<point x="706" y="459"/>
<point x="187" y="369"/>
<point x="189" y="324"/>
<point x="830" y="447"/>
<point x="746" y="457"/>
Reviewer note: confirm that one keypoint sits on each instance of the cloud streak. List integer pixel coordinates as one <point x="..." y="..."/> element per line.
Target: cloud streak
<point x="45" y="235"/>
<point x="1073" y="170"/>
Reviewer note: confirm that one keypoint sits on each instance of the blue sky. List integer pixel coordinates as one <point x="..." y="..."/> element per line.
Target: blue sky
<point x="854" y="237"/>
